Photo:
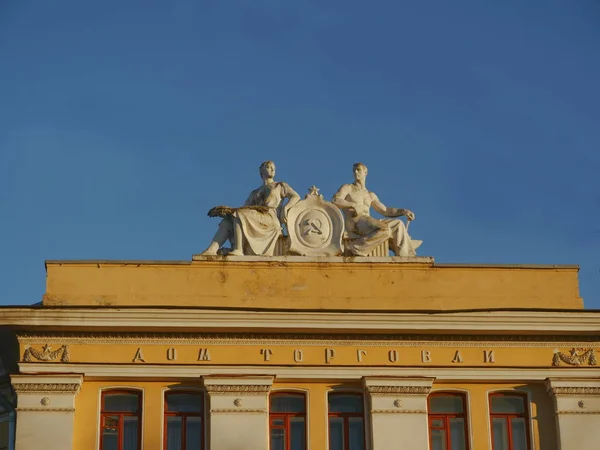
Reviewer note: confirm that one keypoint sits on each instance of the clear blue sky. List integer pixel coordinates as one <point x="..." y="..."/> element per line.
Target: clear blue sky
<point x="123" y="122"/>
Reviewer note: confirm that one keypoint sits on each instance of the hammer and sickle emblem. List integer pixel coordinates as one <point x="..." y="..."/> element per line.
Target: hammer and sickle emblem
<point x="313" y="226"/>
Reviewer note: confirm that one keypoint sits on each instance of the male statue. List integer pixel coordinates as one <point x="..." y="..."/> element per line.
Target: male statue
<point x="365" y="233"/>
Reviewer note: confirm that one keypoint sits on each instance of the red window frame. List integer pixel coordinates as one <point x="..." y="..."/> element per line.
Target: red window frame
<point x="346" y="418"/>
<point x="446" y="418"/>
<point x="508" y="416"/>
<point x="286" y="416"/>
<point x="184" y="416"/>
<point x="104" y="413"/>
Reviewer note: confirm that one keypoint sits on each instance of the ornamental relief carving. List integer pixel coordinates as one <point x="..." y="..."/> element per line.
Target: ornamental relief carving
<point x="43" y="388"/>
<point x="398" y="411"/>
<point x="576" y="391"/>
<point x="575" y="357"/>
<point x="415" y="340"/>
<point x="46" y="354"/>
<point x="234" y="389"/>
<point x="399" y="390"/>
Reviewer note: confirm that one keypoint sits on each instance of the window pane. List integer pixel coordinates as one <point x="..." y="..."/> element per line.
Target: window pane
<point x="446" y="404"/>
<point x="438" y="440"/>
<point x="507" y="404"/>
<point x="121" y="402"/>
<point x="110" y="437"/>
<point x="298" y="433"/>
<point x="277" y="439"/>
<point x="287" y="403"/>
<point x="500" y="432"/>
<point x="174" y="433"/>
<point x="457" y="434"/>
<point x="356" y="433"/>
<point x="519" y="434"/>
<point x="345" y="403"/>
<point x="184" y="402"/>
<point x="130" y="433"/>
<point x="437" y="423"/>
<point x="277" y="422"/>
<point x="336" y="433"/>
<point x="193" y="433"/>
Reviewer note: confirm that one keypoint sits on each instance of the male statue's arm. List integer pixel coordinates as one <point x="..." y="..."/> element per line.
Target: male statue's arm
<point x="339" y="198"/>
<point x="391" y="212"/>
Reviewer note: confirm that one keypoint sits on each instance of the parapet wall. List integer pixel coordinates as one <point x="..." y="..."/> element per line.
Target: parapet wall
<point x="398" y="284"/>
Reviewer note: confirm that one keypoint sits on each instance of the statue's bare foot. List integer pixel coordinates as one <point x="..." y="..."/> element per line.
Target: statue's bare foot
<point x="211" y="250"/>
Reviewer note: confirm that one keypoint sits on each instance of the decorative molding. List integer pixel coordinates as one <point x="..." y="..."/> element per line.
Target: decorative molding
<point x="575" y="357"/>
<point x="237" y="389"/>
<point x="180" y="371"/>
<point x="43" y="388"/>
<point x="575" y="391"/>
<point x="399" y="390"/>
<point x="398" y="411"/>
<point x="238" y="410"/>
<point x="45" y="401"/>
<point x="238" y="402"/>
<point x="38" y="409"/>
<point x="372" y="340"/>
<point x="577" y="412"/>
<point x="46" y="354"/>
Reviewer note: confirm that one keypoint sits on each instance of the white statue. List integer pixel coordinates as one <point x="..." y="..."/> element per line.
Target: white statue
<point x="365" y="232"/>
<point x="254" y="228"/>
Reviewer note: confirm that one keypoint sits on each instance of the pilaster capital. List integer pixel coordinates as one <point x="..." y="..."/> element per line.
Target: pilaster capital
<point x="398" y="386"/>
<point x="216" y="385"/>
<point x="573" y="387"/>
<point x="46" y="384"/>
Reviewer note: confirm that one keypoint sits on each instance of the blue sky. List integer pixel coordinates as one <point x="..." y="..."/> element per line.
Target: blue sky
<point x="123" y="122"/>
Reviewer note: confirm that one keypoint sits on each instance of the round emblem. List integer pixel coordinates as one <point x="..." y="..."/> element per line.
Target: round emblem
<point x="313" y="228"/>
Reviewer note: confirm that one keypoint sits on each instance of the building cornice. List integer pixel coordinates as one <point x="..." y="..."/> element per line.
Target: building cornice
<point x="183" y="319"/>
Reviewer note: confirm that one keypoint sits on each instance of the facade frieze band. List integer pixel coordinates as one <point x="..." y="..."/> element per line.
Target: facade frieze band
<point x="409" y="340"/>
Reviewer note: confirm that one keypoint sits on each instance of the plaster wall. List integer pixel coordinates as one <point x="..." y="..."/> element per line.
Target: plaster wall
<point x="311" y="285"/>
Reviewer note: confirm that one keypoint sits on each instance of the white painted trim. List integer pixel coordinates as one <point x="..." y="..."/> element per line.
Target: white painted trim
<point x="206" y="320"/>
<point x="99" y="410"/>
<point x="527" y="393"/>
<point x="178" y="372"/>
<point x="467" y="393"/>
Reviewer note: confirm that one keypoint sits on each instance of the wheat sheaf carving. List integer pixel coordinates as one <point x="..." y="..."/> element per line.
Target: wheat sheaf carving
<point x="46" y="354"/>
<point x="575" y="357"/>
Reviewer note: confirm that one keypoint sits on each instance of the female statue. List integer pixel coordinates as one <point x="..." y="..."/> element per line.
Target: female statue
<point x="254" y="228"/>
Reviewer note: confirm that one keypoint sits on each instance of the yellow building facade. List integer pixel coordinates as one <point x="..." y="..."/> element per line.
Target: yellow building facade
<point x="297" y="353"/>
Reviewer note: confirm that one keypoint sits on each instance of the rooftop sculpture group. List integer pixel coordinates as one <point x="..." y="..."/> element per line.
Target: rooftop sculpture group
<point x="315" y="226"/>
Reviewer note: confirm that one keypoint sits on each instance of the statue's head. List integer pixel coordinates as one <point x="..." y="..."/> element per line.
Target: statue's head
<point x="360" y="171"/>
<point x="267" y="169"/>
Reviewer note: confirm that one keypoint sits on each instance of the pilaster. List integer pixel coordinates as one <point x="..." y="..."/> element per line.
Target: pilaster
<point x="398" y="412"/>
<point x="45" y="410"/>
<point x="238" y="412"/>
<point x="577" y="410"/>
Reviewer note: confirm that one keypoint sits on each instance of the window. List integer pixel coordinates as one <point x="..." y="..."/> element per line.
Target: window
<point x="346" y="422"/>
<point x="447" y="422"/>
<point x="287" y="421"/>
<point x="184" y="421"/>
<point x="509" y="421"/>
<point x="120" y="418"/>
